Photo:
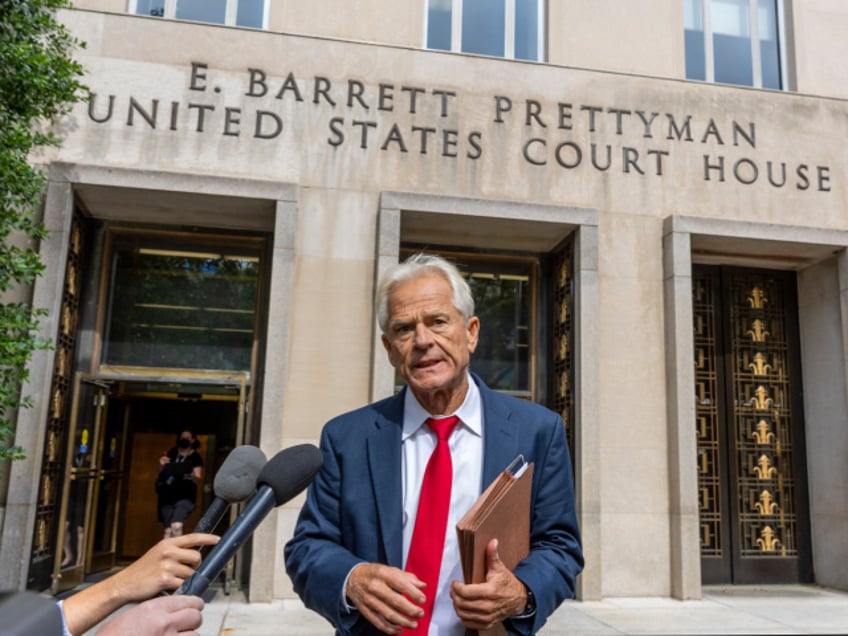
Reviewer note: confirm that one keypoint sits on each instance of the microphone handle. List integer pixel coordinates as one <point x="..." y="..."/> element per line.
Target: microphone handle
<point x="212" y="517"/>
<point x="252" y="515"/>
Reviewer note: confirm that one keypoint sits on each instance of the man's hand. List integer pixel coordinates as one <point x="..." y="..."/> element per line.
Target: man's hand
<point x="163" y="616"/>
<point x="386" y="596"/>
<point x="483" y="605"/>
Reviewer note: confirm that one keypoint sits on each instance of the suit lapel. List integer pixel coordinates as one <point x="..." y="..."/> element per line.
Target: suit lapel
<point x="500" y="435"/>
<point x="384" y="469"/>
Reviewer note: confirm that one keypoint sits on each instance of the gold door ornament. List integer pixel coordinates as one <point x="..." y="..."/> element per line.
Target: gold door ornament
<point x="758" y="332"/>
<point x="763" y="434"/>
<point x="757" y="298"/>
<point x="764" y="469"/>
<point x="767" y="541"/>
<point x="760" y="365"/>
<point x="766" y="504"/>
<point x="761" y="400"/>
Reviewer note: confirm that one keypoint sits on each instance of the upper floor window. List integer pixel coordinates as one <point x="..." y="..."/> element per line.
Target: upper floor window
<point x="501" y="28"/>
<point x="735" y="42"/>
<point x="246" y="13"/>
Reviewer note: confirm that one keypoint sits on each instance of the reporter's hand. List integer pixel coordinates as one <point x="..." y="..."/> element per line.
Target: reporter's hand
<point x="163" y="567"/>
<point x="386" y="596"/>
<point x="483" y="605"/>
<point x="162" y="616"/>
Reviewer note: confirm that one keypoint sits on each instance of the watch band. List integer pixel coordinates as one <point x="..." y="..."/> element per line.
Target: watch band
<point x="530" y="607"/>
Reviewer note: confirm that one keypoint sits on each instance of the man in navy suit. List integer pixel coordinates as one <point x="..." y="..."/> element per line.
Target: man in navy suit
<point x="348" y="556"/>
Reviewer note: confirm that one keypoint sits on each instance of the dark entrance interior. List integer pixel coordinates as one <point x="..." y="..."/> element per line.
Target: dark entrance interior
<point x="154" y="421"/>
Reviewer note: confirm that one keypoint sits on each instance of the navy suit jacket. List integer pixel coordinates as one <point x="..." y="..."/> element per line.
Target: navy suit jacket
<point x="353" y="510"/>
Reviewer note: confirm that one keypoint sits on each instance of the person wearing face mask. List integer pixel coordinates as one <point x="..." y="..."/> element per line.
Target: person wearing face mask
<point x="180" y="470"/>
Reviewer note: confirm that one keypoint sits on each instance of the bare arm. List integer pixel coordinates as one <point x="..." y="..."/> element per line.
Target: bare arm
<point x="163" y="567"/>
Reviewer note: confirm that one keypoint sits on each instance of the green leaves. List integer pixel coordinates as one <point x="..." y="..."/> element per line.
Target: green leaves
<point x="39" y="82"/>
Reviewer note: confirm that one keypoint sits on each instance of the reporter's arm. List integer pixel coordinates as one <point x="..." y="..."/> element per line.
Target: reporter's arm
<point x="164" y="567"/>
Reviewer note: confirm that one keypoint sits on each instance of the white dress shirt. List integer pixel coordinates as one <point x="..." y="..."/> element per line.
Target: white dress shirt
<point x="466" y="445"/>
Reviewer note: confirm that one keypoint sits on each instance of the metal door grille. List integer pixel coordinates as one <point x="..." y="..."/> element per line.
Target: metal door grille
<point x="45" y="530"/>
<point x="753" y="511"/>
<point x="563" y="339"/>
<point x="707" y="417"/>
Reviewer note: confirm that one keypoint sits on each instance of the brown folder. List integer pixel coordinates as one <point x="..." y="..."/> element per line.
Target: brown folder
<point x="502" y="512"/>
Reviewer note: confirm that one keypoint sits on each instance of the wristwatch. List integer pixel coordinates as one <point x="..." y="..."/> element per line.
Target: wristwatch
<point x="530" y="607"/>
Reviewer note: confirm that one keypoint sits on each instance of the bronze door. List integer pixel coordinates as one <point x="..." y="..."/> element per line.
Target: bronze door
<point x="107" y="496"/>
<point x="754" y="520"/>
<point x="80" y="491"/>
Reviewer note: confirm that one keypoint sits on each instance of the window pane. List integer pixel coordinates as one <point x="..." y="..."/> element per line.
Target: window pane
<point x="731" y="17"/>
<point x="439" y="25"/>
<point x="769" y="49"/>
<point x="213" y="11"/>
<point x="250" y="13"/>
<point x="502" y="357"/>
<point x="181" y="308"/>
<point x="693" y="20"/>
<point x="527" y="29"/>
<point x="732" y="42"/>
<point x="150" y="7"/>
<point x="483" y="27"/>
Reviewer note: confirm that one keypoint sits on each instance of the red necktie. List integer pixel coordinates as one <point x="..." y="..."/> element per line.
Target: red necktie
<point x="428" y="537"/>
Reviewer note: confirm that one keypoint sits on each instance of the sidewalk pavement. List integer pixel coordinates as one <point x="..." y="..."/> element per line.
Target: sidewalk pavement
<point x="779" y="609"/>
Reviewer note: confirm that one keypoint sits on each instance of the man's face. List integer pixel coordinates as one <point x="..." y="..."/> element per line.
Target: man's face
<point x="427" y="340"/>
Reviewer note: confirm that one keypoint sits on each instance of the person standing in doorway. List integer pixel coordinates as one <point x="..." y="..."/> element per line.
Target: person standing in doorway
<point x="180" y="471"/>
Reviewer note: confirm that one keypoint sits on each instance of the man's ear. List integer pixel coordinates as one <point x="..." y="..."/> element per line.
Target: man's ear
<point x="388" y="347"/>
<point x="473" y="329"/>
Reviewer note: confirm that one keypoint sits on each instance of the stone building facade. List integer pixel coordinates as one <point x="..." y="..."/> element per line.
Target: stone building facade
<point x="677" y="252"/>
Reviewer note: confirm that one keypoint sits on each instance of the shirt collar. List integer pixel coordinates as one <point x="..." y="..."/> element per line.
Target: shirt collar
<point x="470" y="412"/>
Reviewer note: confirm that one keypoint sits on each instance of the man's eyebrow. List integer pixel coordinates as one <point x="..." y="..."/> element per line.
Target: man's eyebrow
<point x="437" y="314"/>
<point x="397" y="322"/>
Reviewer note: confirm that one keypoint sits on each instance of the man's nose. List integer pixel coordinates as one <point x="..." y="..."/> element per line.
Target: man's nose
<point x="423" y="337"/>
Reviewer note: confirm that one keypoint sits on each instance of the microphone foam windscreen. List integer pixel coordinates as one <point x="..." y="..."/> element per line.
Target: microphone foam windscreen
<point x="236" y="479"/>
<point x="290" y="471"/>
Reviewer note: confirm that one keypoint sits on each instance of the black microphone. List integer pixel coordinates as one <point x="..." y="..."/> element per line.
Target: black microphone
<point x="234" y="482"/>
<point x="285" y="475"/>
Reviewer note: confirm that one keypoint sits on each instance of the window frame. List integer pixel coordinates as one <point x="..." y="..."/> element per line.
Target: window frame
<point x="230" y="13"/>
<point x="509" y="29"/>
<point x="756" y="59"/>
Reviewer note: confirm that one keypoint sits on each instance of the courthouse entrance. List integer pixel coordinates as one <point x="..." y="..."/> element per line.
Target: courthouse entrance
<point x="160" y="329"/>
<point x="754" y="514"/>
